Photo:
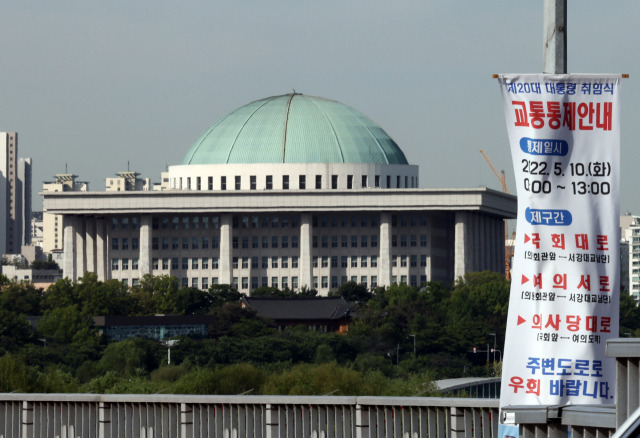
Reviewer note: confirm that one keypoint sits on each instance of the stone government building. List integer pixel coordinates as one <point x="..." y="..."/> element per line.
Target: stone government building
<point x="287" y="191"/>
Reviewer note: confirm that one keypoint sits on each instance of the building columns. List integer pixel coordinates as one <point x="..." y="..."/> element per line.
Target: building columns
<point x="81" y="260"/>
<point x="69" y="245"/>
<point x="226" y="250"/>
<point x="462" y="240"/>
<point x="478" y="244"/>
<point x="306" y="272"/>
<point x="144" y="264"/>
<point x="385" y="249"/>
<point x="102" y="269"/>
<point x="90" y="239"/>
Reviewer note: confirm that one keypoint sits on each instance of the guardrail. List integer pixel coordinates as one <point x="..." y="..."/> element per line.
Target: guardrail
<point x="182" y="416"/>
<point x="153" y="416"/>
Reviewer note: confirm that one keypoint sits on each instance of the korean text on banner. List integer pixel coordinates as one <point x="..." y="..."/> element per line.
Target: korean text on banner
<point x="564" y="133"/>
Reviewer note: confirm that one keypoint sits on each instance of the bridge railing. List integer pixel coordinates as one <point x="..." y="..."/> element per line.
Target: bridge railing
<point x="181" y="416"/>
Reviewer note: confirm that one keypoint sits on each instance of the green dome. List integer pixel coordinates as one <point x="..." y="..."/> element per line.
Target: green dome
<point x="295" y="128"/>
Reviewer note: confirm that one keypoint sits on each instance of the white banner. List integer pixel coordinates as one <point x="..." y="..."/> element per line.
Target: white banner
<point x="564" y="132"/>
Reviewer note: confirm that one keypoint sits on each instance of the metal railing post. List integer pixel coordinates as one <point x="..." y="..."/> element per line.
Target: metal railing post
<point x="104" y="420"/>
<point x="186" y="420"/>
<point x="362" y="421"/>
<point x="27" y="419"/>
<point x="273" y="421"/>
<point x="456" y="420"/>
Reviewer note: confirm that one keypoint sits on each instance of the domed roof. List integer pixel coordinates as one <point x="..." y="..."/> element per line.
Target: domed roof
<point x="295" y="128"/>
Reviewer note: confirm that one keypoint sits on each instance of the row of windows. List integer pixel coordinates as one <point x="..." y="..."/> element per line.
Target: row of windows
<point x="269" y="221"/>
<point x="124" y="264"/>
<point x="205" y="242"/>
<point x="283" y="262"/>
<point x="368" y="261"/>
<point x="123" y="243"/>
<point x="266" y="221"/>
<point x="345" y="261"/>
<point x="344" y="220"/>
<point x="283" y="282"/>
<point x="333" y="241"/>
<point x="265" y="242"/>
<point x="195" y="183"/>
<point x="177" y="243"/>
<point x="185" y="222"/>
<point x="125" y="223"/>
<point x="363" y="241"/>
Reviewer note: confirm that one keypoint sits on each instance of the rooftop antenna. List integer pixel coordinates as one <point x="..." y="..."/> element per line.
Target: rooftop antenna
<point x="65" y="168"/>
<point x="128" y="170"/>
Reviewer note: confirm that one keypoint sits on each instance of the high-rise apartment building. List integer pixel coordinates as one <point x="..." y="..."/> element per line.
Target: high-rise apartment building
<point x="630" y="255"/>
<point x="15" y="195"/>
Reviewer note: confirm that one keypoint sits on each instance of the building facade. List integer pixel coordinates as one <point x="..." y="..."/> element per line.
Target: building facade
<point x="52" y="223"/>
<point x="15" y="196"/>
<point x="127" y="181"/>
<point x="630" y="255"/>
<point x="290" y="191"/>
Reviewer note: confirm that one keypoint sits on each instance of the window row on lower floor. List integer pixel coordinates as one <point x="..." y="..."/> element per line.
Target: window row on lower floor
<point x="265" y="262"/>
<point x="285" y="282"/>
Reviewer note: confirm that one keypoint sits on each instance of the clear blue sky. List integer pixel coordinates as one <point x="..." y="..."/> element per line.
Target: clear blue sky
<point x="95" y="85"/>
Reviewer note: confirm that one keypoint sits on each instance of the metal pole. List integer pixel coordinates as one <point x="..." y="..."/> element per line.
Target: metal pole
<point x="414" y="344"/>
<point x="554" y="44"/>
<point x="494" y="345"/>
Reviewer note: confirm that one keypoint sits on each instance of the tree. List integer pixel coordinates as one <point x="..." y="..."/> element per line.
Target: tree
<point x="59" y="294"/>
<point x="163" y="295"/>
<point x="45" y="264"/>
<point x="21" y="298"/>
<point x="15" y="331"/>
<point x="239" y="378"/>
<point x="629" y="316"/>
<point x="192" y="301"/>
<point x="66" y="325"/>
<point x="353" y="292"/>
<point x="102" y="298"/>
<point x="15" y="376"/>
<point x="131" y="357"/>
<point x="311" y="379"/>
<point x="225" y="318"/>
<point x="272" y="292"/>
<point x="224" y="293"/>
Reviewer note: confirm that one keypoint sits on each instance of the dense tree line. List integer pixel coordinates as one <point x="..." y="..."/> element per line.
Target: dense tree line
<point x="400" y="340"/>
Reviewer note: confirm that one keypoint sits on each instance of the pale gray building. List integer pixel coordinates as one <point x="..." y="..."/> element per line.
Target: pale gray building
<point x="15" y="196"/>
<point x="287" y="191"/>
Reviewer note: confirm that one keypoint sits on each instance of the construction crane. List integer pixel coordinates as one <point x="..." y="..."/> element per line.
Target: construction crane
<point x="501" y="176"/>
<point x="508" y="251"/>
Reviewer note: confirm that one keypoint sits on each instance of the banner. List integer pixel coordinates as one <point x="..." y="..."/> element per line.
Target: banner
<point x="564" y="132"/>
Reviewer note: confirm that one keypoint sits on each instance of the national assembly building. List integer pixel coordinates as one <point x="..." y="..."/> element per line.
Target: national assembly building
<point x="289" y="191"/>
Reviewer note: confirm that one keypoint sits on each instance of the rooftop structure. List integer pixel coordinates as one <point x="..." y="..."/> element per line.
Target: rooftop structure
<point x="327" y="314"/>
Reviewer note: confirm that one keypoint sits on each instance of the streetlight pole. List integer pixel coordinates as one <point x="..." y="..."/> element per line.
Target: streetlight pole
<point x="414" y="344"/>
<point x="494" y="345"/>
<point x="554" y="58"/>
<point x="170" y="343"/>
